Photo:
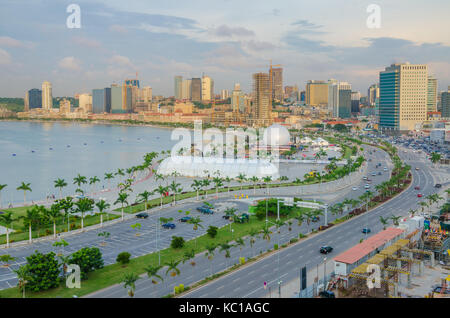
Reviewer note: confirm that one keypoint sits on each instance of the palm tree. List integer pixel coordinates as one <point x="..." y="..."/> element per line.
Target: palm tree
<point x="152" y="273"/>
<point x="241" y="178"/>
<point x="253" y="235"/>
<point x="23" y="277"/>
<point x="129" y="282"/>
<point x="122" y="199"/>
<point x="197" y="186"/>
<point x="225" y="247"/>
<point x="196" y="223"/>
<point x="93" y="181"/>
<point x="172" y="267"/>
<point x="60" y="183"/>
<point x="395" y="219"/>
<point x="79" y="180"/>
<point x="189" y="255"/>
<point x="241" y="243"/>
<point x="210" y="254"/>
<point x="435" y="157"/>
<point x="162" y="192"/>
<point x="254" y="179"/>
<point x="384" y="221"/>
<point x="300" y="218"/>
<point x="206" y="184"/>
<point x="120" y="172"/>
<point x="66" y="205"/>
<point x="266" y="181"/>
<point x="228" y="181"/>
<point x="266" y="233"/>
<point x="175" y="187"/>
<point x="53" y="214"/>
<point x="105" y="235"/>
<point x="412" y="212"/>
<point x="102" y="205"/>
<point x="24" y="187"/>
<point x="108" y="177"/>
<point x="84" y="205"/>
<point x="2" y="186"/>
<point x="144" y="197"/>
<point x="31" y="219"/>
<point x="218" y="182"/>
<point x="7" y="219"/>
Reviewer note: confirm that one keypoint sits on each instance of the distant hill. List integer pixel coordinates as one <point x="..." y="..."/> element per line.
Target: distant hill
<point x="17" y="104"/>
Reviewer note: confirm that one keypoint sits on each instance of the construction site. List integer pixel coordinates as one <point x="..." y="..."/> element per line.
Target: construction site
<point x="410" y="260"/>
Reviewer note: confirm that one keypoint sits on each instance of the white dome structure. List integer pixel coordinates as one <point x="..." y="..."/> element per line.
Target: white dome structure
<point x="276" y="136"/>
<point x="205" y="167"/>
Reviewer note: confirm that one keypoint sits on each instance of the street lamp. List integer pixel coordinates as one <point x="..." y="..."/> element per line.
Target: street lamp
<point x="324" y="272"/>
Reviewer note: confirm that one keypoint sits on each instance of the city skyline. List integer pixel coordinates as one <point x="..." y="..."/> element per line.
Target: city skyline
<point x="116" y="42"/>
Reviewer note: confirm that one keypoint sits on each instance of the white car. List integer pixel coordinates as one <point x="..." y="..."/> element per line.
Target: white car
<point x="367" y="186"/>
<point x="354" y="188"/>
<point x="385" y="169"/>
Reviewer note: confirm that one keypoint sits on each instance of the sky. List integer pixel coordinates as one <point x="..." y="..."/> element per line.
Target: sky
<point x="228" y="40"/>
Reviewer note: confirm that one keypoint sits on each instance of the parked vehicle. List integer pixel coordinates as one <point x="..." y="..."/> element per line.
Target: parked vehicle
<point x="169" y="226"/>
<point x="366" y="230"/>
<point x="205" y="210"/>
<point x="142" y="215"/>
<point x="185" y="219"/>
<point x="326" y="249"/>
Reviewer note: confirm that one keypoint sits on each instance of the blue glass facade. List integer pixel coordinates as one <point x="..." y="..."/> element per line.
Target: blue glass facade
<point x="35" y="98"/>
<point x="389" y="102"/>
<point x="98" y="101"/>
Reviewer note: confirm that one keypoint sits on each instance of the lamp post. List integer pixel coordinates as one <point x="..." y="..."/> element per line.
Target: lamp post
<point x="324" y="273"/>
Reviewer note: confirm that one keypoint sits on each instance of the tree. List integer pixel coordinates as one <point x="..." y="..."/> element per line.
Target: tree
<point x="218" y="182"/>
<point x="6" y="259"/>
<point x="196" y="223"/>
<point x="253" y="236"/>
<point x="6" y="219"/>
<point x="84" y="205"/>
<point x="267" y="180"/>
<point x="395" y="219"/>
<point x="175" y="187"/>
<point x="53" y="214"/>
<point x="162" y="192"/>
<point x="62" y="243"/>
<point x="152" y="273"/>
<point x="89" y="259"/>
<point x="241" y="243"/>
<point x="197" y="185"/>
<point x="31" y="220"/>
<point x="144" y="197"/>
<point x="241" y="178"/>
<point x="102" y="205"/>
<point x="66" y="205"/>
<point x="105" y="235"/>
<point x="177" y="242"/>
<point x="2" y="186"/>
<point x="206" y="184"/>
<point x="435" y="157"/>
<point x="172" y="267"/>
<point x="79" y="180"/>
<point x="210" y="248"/>
<point x="60" y="183"/>
<point x="129" y="282"/>
<point x="93" y="181"/>
<point x="123" y="258"/>
<point x="255" y="180"/>
<point x="42" y="271"/>
<point x="212" y="231"/>
<point x="122" y="199"/>
<point x="265" y="232"/>
<point x="225" y="247"/>
<point x="23" y="277"/>
<point x="108" y="177"/>
<point x="24" y="187"/>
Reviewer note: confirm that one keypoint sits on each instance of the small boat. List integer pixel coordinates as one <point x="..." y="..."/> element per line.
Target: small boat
<point x="32" y="151"/>
<point x="68" y="146"/>
<point x="50" y="148"/>
<point x="85" y="144"/>
<point x="13" y="154"/>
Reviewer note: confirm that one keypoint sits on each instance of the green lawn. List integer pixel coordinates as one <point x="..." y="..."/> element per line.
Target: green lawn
<point x="112" y="274"/>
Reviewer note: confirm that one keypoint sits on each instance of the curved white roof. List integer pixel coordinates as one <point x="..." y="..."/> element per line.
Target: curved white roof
<point x="208" y="166"/>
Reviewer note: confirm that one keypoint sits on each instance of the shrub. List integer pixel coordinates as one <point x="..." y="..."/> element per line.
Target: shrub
<point x="177" y="242"/>
<point x="212" y="231"/>
<point x="176" y="289"/>
<point x="293" y="240"/>
<point x="89" y="259"/>
<point x="275" y="247"/>
<point x="181" y="287"/>
<point x="43" y="271"/>
<point x="301" y="235"/>
<point x="123" y="258"/>
<point x="284" y="245"/>
<point x="242" y="260"/>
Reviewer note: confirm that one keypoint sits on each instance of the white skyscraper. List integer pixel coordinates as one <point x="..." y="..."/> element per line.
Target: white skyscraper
<point x="146" y="94"/>
<point x="47" y="97"/>
<point x="207" y="88"/>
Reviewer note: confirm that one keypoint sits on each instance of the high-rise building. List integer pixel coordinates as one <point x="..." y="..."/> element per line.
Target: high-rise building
<point x="445" y="103"/>
<point x="178" y="88"/>
<point x="372" y="94"/>
<point x="145" y="94"/>
<point x="403" y="96"/>
<point x="432" y="94"/>
<point x="316" y="93"/>
<point x="85" y="102"/>
<point x="207" y="88"/>
<point x="186" y="89"/>
<point x="277" y="84"/>
<point x="116" y="99"/>
<point x="339" y="98"/>
<point x="356" y="97"/>
<point x="132" y="82"/>
<point x="261" y="99"/>
<point x="26" y="103"/>
<point x="196" y="89"/>
<point x="98" y="101"/>
<point x="237" y="99"/>
<point x="35" y="98"/>
<point x="47" y="97"/>
<point x="224" y="94"/>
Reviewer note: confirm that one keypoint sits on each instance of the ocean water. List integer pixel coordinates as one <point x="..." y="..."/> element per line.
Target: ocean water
<point x="40" y="152"/>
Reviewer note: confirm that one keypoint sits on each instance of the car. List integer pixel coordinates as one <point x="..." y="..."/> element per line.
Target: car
<point x="385" y="169"/>
<point x="169" y="226"/>
<point x="379" y="173"/>
<point x="366" y="230"/>
<point x="367" y="186"/>
<point x="326" y="249"/>
<point x="419" y="195"/>
<point x="185" y="219"/>
<point x="438" y="185"/>
<point x="374" y="174"/>
<point x="416" y="188"/>
<point x="417" y="169"/>
<point x="205" y="210"/>
<point x="327" y="294"/>
<point x="354" y="188"/>
<point x="142" y="215"/>
<point x="364" y="178"/>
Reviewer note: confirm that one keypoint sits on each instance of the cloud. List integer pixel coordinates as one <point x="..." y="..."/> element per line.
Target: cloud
<point x="120" y="60"/>
<point x="70" y="63"/>
<point x="118" y="28"/>
<point x="10" y="42"/>
<point x="226" y="31"/>
<point x="86" y="42"/>
<point x="5" y="57"/>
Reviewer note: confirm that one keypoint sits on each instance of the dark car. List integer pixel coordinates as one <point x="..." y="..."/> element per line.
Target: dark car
<point x="416" y="188"/>
<point x="366" y="230"/>
<point x="169" y="226"/>
<point x="142" y="215"/>
<point x="438" y="185"/>
<point x="326" y="249"/>
<point x="326" y="294"/>
<point x="185" y="219"/>
<point x="205" y="210"/>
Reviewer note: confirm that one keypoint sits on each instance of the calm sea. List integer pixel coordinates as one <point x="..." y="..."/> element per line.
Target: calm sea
<point x="39" y="153"/>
